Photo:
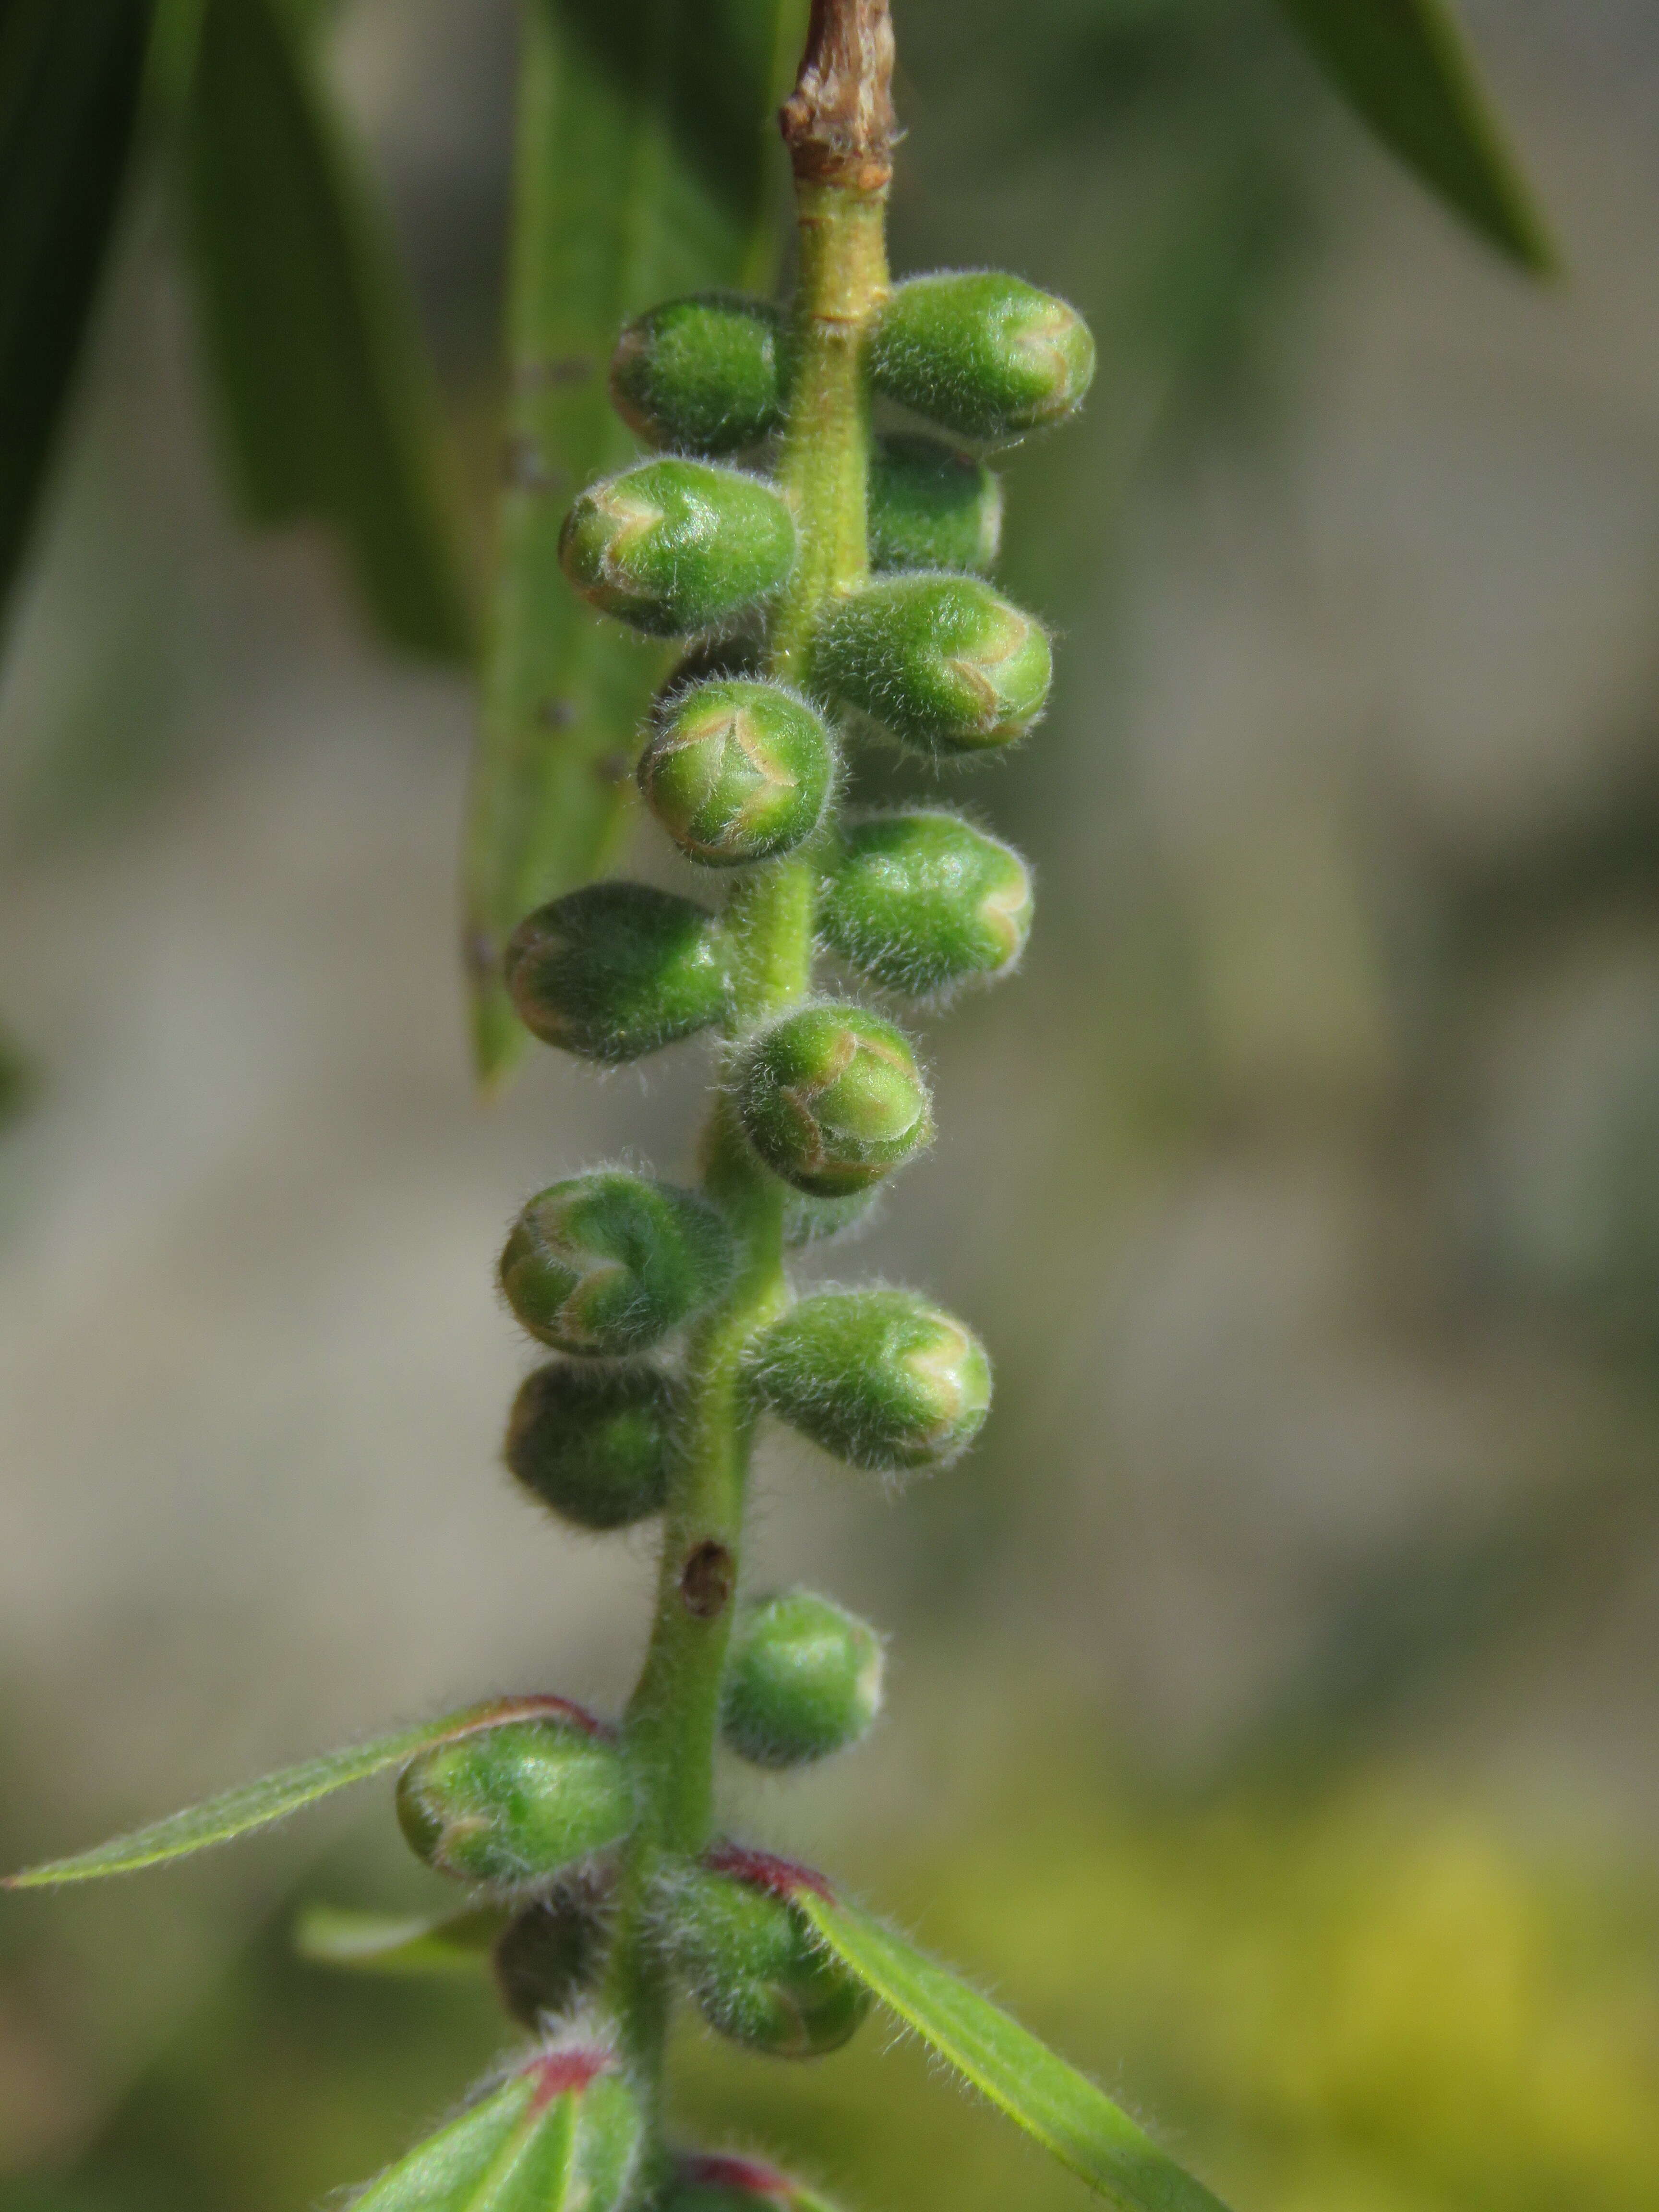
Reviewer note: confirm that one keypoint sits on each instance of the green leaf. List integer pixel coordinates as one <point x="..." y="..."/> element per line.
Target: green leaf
<point x="560" y="2135"/>
<point x="70" y="79"/>
<point x="324" y="381"/>
<point x="1406" y="67"/>
<point x="643" y="171"/>
<point x="256" y="1804"/>
<point x="378" y="1944"/>
<point x="1051" y="2100"/>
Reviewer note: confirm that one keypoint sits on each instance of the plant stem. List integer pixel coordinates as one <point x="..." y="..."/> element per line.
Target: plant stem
<point x="672" y="1720"/>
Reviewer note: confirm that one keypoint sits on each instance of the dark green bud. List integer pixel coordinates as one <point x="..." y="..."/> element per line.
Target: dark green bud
<point x="757" y="1970"/>
<point x="615" y="970"/>
<point x="737" y="770"/>
<point x="511" y="1805"/>
<point x="595" y="1444"/>
<point x="804" y="1679"/>
<point x="982" y="354"/>
<point x="548" y="1956"/>
<point x="931" y="507"/>
<point x="704" y="373"/>
<point x="673" y="545"/>
<point x="821" y="1220"/>
<point x="720" y="2183"/>
<point x="945" y="663"/>
<point x="923" y="899"/>
<point x="607" y="1263"/>
<point x="832" y="1099"/>
<point x="880" y="1378"/>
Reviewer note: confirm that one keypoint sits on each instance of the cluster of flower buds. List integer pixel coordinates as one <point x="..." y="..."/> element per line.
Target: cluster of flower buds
<point x="612" y="1271"/>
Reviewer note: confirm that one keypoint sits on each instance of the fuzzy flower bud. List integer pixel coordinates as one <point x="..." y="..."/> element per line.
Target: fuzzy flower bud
<point x="923" y="899"/>
<point x="756" y="1971"/>
<point x="594" y="1444"/>
<point x="717" y="2183"/>
<point x="514" y="1804"/>
<point x="704" y="375"/>
<point x="550" y="1954"/>
<point x="880" y="1378"/>
<point x="737" y="770"/>
<point x="607" y="1263"/>
<point x="945" y="663"/>
<point x="615" y="970"/>
<point x="931" y="507"/>
<point x="982" y="354"/>
<point x="832" y="1099"/>
<point x="674" y="545"/>
<point x="804" y="1679"/>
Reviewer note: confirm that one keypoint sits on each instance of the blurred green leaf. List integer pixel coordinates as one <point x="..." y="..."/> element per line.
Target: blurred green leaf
<point x="546" y="2139"/>
<point x="1051" y="2100"/>
<point x="643" y="135"/>
<point x="312" y="342"/>
<point x="256" y="1804"/>
<point x="382" y="1943"/>
<point x="1405" y="68"/>
<point x="70" y="83"/>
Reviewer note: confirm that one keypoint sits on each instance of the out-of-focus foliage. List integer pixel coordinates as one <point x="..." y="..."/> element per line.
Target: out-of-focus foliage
<point x="1367" y="1999"/>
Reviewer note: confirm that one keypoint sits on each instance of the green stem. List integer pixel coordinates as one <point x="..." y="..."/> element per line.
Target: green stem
<point x="672" y="1720"/>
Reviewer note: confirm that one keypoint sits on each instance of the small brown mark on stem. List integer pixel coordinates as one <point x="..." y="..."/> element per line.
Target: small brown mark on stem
<point x="707" y="1580"/>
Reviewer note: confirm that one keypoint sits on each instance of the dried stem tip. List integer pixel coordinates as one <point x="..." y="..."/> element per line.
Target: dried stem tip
<point x="838" y="123"/>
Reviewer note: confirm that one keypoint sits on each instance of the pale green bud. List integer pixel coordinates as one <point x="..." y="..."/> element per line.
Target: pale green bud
<point x="931" y="507"/>
<point x="757" y="1970"/>
<point x="880" y="1378"/>
<point x="831" y="1099"/>
<point x="672" y="545"/>
<point x="982" y="354"/>
<point x="607" y="1263"/>
<point x="737" y="770"/>
<point x="515" y="1804"/>
<point x="614" y="970"/>
<point x="803" y="1680"/>
<point x="595" y="1444"/>
<point x="922" y="900"/>
<point x="704" y="373"/>
<point x="946" y="664"/>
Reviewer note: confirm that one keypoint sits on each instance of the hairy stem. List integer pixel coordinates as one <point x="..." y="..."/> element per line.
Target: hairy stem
<point x="838" y="126"/>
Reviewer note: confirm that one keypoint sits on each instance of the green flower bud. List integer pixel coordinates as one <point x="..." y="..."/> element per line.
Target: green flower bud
<point x="821" y="1220"/>
<point x="674" y="545"/>
<point x="548" y="1956"/>
<point x="832" y="1099"/>
<point x="704" y="373"/>
<point x="595" y="1444"/>
<point x="922" y="900"/>
<point x="945" y="663"/>
<point x="982" y="354"/>
<point x="737" y="770"/>
<point x="514" y="1804"/>
<point x="880" y="1378"/>
<point x="931" y="507"/>
<point x="757" y="1970"/>
<point x="804" y="1679"/>
<point x="615" y="970"/>
<point x="718" y="2183"/>
<point x="608" y="1263"/>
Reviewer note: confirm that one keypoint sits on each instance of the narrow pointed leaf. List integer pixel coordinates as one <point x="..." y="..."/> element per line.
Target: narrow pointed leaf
<point x="380" y="1943"/>
<point x="560" y="2135"/>
<point x="644" y="139"/>
<point x="1406" y="67"/>
<point x="70" y="79"/>
<point x="1051" y="2100"/>
<point x="256" y="1804"/>
<point x="322" y="377"/>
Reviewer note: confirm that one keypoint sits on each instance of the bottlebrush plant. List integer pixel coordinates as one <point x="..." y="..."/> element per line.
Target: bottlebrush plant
<point x="825" y="585"/>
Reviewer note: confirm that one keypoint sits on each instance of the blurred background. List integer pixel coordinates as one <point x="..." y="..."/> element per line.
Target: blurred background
<point x="1275" y="1691"/>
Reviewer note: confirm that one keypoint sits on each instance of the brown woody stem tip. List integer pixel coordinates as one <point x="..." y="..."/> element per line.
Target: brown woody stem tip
<point x="838" y="123"/>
